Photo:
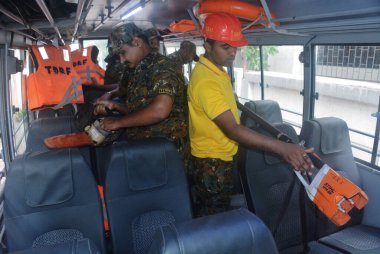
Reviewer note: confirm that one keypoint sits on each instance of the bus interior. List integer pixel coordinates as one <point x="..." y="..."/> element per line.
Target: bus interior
<point x="311" y="69"/>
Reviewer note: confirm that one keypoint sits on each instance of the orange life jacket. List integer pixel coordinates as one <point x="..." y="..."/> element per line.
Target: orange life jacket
<point x="55" y="82"/>
<point x="85" y="66"/>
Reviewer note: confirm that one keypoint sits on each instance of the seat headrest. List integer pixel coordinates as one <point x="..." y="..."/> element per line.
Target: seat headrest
<point x="146" y="162"/>
<point x="267" y="109"/>
<point x="237" y="231"/>
<point x="48" y="176"/>
<point x="334" y="134"/>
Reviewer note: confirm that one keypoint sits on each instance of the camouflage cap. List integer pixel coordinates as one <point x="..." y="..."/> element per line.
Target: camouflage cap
<point x="121" y="35"/>
<point x="188" y="46"/>
<point x="151" y="33"/>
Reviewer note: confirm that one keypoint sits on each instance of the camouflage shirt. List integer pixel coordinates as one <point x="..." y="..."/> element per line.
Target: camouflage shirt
<point x="177" y="60"/>
<point x="114" y="70"/>
<point x="156" y="75"/>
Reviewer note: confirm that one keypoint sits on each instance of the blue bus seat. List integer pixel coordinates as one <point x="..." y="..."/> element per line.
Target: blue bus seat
<point x="267" y="182"/>
<point x="51" y="198"/>
<point x="331" y="141"/>
<point x="236" y="231"/>
<point x="46" y="113"/>
<point x="47" y="127"/>
<point x="40" y="129"/>
<point x="267" y="109"/>
<point x="67" y="110"/>
<point x="145" y="188"/>
<point x="82" y="246"/>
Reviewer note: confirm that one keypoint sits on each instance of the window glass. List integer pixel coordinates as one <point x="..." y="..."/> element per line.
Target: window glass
<point x="2" y="166"/>
<point x="348" y="84"/>
<point x="170" y="50"/>
<point x="17" y="84"/>
<point x="283" y="78"/>
<point x="103" y="50"/>
<point x="247" y="73"/>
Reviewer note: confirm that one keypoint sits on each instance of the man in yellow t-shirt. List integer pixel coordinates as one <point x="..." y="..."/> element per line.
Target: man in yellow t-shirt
<point x="214" y="126"/>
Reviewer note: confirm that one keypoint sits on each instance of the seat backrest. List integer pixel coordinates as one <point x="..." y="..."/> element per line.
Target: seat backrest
<point x="51" y="198"/>
<point x="236" y="231"/>
<point x="82" y="246"/>
<point x="267" y="181"/>
<point x="331" y="141"/>
<point x="267" y="109"/>
<point x="46" y="127"/>
<point x="46" y="113"/>
<point x="67" y="110"/>
<point x="145" y="188"/>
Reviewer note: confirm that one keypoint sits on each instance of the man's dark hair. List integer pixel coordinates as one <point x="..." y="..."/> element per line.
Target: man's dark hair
<point x="210" y="41"/>
<point x="143" y="37"/>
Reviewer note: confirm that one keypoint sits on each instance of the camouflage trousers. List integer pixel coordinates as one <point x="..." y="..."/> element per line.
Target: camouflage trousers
<point x="211" y="185"/>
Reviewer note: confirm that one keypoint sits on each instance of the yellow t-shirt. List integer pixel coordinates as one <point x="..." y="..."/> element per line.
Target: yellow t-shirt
<point x="209" y="95"/>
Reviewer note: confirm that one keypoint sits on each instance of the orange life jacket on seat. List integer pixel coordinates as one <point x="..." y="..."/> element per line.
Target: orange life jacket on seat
<point x="55" y="82"/>
<point x="85" y="66"/>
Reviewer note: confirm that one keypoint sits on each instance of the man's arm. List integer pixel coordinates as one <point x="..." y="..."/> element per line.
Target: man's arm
<point x="117" y="91"/>
<point x="101" y="107"/>
<point x="291" y="153"/>
<point x="158" y="110"/>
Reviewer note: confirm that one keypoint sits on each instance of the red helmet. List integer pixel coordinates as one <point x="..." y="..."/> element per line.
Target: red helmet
<point x="224" y="27"/>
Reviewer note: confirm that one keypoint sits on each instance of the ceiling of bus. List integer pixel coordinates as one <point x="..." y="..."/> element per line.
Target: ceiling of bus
<point x="96" y="18"/>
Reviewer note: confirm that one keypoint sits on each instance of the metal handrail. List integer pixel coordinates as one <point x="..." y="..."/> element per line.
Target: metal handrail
<point x="290" y="111"/>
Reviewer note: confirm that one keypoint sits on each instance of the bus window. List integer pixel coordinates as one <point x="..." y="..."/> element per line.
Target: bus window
<point x="2" y="166"/>
<point x="247" y="73"/>
<point x="348" y="86"/>
<point x="283" y="78"/>
<point x="103" y="50"/>
<point x="17" y="84"/>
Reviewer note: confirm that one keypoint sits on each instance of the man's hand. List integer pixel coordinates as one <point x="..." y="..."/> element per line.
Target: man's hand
<point x="102" y="106"/>
<point x="110" y="123"/>
<point x="296" y="156"/>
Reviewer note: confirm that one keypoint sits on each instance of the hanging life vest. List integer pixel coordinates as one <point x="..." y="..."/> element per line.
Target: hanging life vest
<point x="84" y="63"/>
<point x="55" y="83"/>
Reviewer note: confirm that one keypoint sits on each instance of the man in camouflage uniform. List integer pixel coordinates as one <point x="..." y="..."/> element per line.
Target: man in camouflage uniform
<point x="117" y="73"/>
<point x="115" y="68"/>
<point x="155" y="99"/>
<point x="154" y="38"/>
<point x="185" y="55"/>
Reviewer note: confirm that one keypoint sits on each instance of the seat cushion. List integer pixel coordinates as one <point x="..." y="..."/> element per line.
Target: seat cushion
<point x="358" y="239"/>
